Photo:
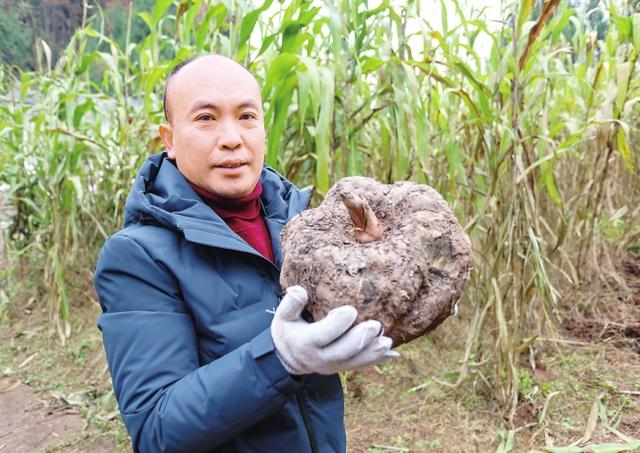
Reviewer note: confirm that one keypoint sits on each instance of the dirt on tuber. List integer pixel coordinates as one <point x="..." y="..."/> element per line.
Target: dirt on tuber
<point x="393" y="251"/>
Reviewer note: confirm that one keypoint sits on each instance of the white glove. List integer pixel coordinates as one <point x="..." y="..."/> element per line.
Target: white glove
<point x="328" y="345"/>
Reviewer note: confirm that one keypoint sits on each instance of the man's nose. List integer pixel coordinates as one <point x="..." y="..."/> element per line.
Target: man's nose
<point x="230" y="136"/>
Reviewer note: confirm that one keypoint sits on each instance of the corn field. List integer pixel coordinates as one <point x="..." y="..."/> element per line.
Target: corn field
<point x="527" y="126"/>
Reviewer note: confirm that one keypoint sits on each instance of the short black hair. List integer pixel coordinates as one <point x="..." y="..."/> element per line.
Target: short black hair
<point x="173" y="72"/>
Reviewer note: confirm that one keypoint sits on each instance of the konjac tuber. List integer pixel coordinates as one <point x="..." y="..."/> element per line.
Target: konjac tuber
<point x="395" y="252"/>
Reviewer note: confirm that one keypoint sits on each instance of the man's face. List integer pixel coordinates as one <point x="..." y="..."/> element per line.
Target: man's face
<point x="216" y="135"/>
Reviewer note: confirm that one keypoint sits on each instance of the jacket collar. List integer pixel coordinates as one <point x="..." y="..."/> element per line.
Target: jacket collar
<point x="162" y="196"/>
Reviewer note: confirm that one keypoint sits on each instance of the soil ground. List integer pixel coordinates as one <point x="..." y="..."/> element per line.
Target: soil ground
<point x="30" y="423"/>
<point x="580" y="387"/>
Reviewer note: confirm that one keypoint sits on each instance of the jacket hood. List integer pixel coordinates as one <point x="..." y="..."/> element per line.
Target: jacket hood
<point x="161" y="195"/>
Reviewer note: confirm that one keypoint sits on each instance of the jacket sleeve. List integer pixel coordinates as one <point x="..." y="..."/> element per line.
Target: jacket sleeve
<point x="167" y="401"/>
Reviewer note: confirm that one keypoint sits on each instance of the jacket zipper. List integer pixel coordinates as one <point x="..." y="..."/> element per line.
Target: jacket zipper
<point x="307" y="421"/>
<point x="297" y="394"/>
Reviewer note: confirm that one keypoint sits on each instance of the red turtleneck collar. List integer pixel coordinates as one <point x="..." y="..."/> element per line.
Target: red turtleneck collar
<point x="243" y="216"/>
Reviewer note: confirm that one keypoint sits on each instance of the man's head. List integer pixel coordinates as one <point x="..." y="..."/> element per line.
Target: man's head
<point x="215" y="130"/>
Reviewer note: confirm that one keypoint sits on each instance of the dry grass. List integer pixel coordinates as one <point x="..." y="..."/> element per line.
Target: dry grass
<point x="403" y="405"/>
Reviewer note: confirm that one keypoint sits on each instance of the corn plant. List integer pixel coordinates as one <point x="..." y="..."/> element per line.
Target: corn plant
<point x="532" y="145"/>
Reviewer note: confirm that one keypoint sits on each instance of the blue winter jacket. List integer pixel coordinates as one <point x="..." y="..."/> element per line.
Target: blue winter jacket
<point x="187" y="307"/>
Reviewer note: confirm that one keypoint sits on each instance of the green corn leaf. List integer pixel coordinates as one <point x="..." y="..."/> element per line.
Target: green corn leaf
<point x="148" y="20"/>
<point x="294" y="7"/>
<point x="290" y="35"/>
<point x="205" y="27"/>
<point x="623" y="72"/>
<point x="635" y="30"/>
<point x="323" y="132"/>
<point x="307" y="16"/>
<point x="266" y="43"/>
<point x="282" y="98"/>
<point x="526" y="6"/>
<point x="249" y="22"/>
<point x="444" y="21"/>
<point x="566" y="14"/>
<point x="307" y="80"/>
<point x="624" y="149"/>
<point x="370" y="64"/>
<point x="159" y="10"/>
<point x="76" y="185"/>
<point x="279" y="70"/>
<point x="26" y="82"/>
<point x="193" y="9"/>
<point x="93" y="33"/>
<point x="466" y="71"/>
<point x="546" y="169"/>
<point x="623" y="24"/>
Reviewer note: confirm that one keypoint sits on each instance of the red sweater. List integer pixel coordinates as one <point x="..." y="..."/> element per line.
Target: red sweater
<point x="243" y="216"/>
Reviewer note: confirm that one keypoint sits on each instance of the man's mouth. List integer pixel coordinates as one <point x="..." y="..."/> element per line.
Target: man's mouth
<point x="234" y="164"/>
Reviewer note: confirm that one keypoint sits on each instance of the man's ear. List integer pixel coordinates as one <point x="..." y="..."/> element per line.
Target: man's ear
<point x="166" y="134"/>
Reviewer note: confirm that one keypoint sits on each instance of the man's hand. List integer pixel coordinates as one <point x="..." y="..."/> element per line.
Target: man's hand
<point x="328" y="345"/>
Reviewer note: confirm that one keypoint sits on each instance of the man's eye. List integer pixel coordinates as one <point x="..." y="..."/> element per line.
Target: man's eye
<point x="248" y="116"/>
<point x="205" y="117"/>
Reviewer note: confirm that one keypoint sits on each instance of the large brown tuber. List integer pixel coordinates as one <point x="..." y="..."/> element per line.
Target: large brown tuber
<point x="395" y="252"/>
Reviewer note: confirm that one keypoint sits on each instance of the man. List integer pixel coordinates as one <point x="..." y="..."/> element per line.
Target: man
<point x="188" y="288"/>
